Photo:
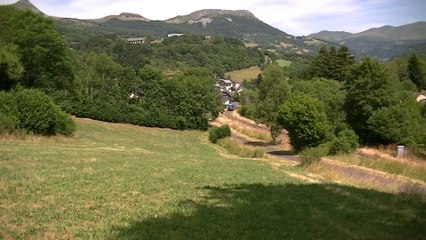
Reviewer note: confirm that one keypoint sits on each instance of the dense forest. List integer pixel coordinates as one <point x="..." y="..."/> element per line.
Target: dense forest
<point x="328" y="103"/>
<point x="336" y="101"/>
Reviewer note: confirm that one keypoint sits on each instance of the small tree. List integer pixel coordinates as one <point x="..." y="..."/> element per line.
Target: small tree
<point x="305" y="120"/>
<point x="217" y="133"/>
<point x="273" y="91"/>
<point x="416" y="72"/>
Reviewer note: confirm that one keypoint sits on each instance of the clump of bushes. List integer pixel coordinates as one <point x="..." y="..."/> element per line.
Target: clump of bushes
<point x="313" y="154"/>
<point x="241" y="150"/>
<point x="32" y="111"/>
<point x="345" y="142"/>
<point x="217" y="133"/>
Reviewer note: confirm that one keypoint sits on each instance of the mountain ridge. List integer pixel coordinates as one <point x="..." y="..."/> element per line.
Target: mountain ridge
<point x="383" y="42"/>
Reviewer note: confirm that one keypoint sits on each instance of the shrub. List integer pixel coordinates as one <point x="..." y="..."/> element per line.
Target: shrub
<point x="7" y="125"/>
<point x="241" y="150"/>
<point x="306" y="121"/>
<point x="313" y="155"/>
<point x="345" y="142"/>
<point x="217" y="133"/>
<point x="64" y="123"/>
<point x="32" y="111"/>
<point x="36" y="112"/>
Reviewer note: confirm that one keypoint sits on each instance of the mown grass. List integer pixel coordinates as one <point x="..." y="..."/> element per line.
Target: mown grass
<point x="115" y="181"/>
<point x="244" y="74"/>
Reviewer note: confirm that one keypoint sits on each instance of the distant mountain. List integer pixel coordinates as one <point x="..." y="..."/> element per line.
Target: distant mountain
<point x="240" y="24"/>
<point x="384" y="42"/>
<point x="331" y="36"/>
<point x="122" y="17"/>
<point x="209" y="13"/>
<point x="26" y="5"/>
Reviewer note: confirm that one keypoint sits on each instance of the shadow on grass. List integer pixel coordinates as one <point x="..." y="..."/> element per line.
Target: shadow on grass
<point x="317" y="211"/>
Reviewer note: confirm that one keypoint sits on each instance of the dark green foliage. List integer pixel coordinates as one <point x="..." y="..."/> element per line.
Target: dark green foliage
<point x="36" y="112"/>
<point x="217" y="133"/>
<point x="11" y="69"/>
<point x="7" y="125"/>
<point x="401" y="124"/>
<point x="41" y="50"/>
<point x="305" y="120"/>
<point x="313" y="155"/>
<point x="417" y="72"/>
<point x="64" y="124"/>
<point x="273" y="91"/>
<point x="33" y="111"/>
<point x="369" y="89"/>
<point x="331" y="93"/>
<point x="110" y="92"/>
<point x="345" y="142"/>
<point x="331" y="63"/>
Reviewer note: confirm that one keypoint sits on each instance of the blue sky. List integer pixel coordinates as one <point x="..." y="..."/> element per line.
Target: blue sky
<point x="297" y="17"/>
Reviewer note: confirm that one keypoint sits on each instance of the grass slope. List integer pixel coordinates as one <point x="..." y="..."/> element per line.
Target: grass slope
<point x="244" y="74"/>
<point x="115" y="181"/>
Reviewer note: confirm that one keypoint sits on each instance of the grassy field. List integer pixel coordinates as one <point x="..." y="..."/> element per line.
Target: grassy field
<point x="244" y="74"/>
<point x="283" y="62"/>
<point x="115" y="181"/>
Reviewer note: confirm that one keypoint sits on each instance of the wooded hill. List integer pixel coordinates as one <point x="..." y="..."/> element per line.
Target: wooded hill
<point x="241" y="25"/>
<point x="384" y="42"/>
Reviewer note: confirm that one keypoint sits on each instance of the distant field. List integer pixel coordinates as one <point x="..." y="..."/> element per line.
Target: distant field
<point x="116" y="181"/>
<point x="244" y="74"/>
<point x="283" y="62"/>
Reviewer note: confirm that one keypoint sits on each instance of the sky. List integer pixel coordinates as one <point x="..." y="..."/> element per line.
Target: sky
<point x="296" y="17"/>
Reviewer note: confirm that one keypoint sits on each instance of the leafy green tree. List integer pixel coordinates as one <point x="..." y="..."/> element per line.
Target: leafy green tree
<point x="332" y="63"/>
<point x="11" y="69"/>
<point x="273" y="91"/>
<point x="401" y="124"/>
<point x="378" y="109"/>
<point x="305" y="120"/>
<point x="416" y="72"/>
<point x="42" y="51"/>
<point x="331" y="93"/>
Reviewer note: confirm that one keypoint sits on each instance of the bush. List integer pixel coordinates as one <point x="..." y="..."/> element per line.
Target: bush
<point x="32" y="111"/>
<point x="345" y="142"/>
<point x="36" y="112"/>
<point x="7" y="125"/>
<point x="240" y="149"/>
<point x="64" y="124"/>
<point x="217" y="133"/>
<point x="313" y="155"/>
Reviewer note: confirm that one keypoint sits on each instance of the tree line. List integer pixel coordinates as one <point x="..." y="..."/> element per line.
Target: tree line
<point x="336" y="101"/>
<point x="105" y="78"/>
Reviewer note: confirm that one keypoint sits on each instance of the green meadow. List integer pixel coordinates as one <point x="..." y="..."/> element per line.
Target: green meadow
<point x="117" y="181"/>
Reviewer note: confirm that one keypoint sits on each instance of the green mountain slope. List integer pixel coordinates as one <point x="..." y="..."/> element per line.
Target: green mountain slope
<point x="384" y="42"/>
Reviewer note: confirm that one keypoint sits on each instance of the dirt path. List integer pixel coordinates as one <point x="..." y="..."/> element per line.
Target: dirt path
<point x="350" y="172"/>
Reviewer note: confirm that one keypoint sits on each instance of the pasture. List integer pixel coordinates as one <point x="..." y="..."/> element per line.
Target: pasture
<point x="117" y="181"/>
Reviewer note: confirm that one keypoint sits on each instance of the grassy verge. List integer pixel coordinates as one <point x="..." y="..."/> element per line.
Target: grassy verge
<point x="416" y="171"/>
<point x="116" y="181"/>
<point x="241" y="150"/>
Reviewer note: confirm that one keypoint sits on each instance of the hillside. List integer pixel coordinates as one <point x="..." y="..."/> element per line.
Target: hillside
<point x="240" y="24"/>
<point x="27" y="5"/>
<point x="118" y="181"/>
<point x="384" y="42"/>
